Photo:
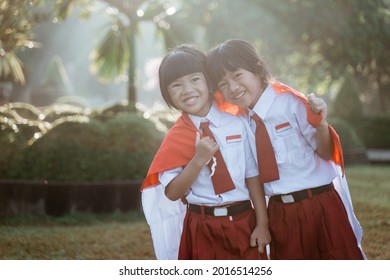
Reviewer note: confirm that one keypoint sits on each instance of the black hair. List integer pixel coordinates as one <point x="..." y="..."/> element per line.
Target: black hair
<point x="231" y="55"/>
<point x="179" y="62"/>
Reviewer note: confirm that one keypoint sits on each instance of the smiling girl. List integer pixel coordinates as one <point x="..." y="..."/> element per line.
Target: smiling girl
<point x="308" y="217"/>
<point x="205" y="162"/>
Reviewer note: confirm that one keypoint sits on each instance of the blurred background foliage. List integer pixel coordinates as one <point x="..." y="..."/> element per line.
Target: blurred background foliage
<point x="73" y="144"/>
<point x="337" y="49"/>
<point x="311" y="44"/>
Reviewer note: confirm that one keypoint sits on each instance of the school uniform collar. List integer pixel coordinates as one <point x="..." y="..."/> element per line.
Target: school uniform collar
<point x="264" y="103"/>
<point x="213" y="116"/>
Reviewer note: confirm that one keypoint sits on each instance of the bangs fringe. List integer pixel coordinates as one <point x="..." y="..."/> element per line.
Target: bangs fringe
<point x="219" y="65"/>
<point x="181" y="64"/>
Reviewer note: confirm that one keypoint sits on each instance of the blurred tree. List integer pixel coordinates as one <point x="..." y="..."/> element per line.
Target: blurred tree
<point x="116" y="52"/>
<point x="319" y="40"/>
<point x="210" y="22"/>
<point x="114" y="55"/>
<point x="334" y="38"/>
<point x="347" y="104"/>
<point x="54" y="84"/>
<point x="17" y="19"/>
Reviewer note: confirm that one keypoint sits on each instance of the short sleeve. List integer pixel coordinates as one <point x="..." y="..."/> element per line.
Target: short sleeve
<point x="307" y="130"/>
<point x="167" y="176"/>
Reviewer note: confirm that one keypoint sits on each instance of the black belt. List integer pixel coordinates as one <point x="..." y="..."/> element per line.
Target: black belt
<point x="218" y="211"/>
<point x="300" y="195"/>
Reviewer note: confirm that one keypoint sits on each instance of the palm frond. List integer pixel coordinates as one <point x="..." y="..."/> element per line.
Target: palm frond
<point x="10" y="65"/>
<point x="111" y="57"/>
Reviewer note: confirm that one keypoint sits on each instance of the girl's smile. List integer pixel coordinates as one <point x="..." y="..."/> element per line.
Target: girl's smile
<point x="190" y="94"/>
<point x="241" y="87"/>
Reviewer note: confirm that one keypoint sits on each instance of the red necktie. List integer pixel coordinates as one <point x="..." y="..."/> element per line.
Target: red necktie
<point x="268" y="168"/>
<point x="221" y="178"/>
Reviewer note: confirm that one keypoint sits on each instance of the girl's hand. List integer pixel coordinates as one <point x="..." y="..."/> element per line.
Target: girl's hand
<point x="260" y="238"/>
<point x="318" y="106"/>
<point x="205" y="148"/>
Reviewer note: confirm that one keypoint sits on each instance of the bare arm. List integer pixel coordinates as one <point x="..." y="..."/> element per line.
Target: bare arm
<point x="324" y="139"/>
<point x="179" y="186"/>
<point x="260" y="236"/>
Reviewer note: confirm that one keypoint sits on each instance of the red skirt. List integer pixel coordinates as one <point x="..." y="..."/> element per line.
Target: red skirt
<point x="315" y="228"/>
<point x="218" y="238"/>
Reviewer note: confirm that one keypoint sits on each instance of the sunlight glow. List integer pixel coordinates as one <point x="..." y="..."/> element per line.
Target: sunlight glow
<point x="115" y="27"/>
<point x="112" y="11"/>
<point x="140" y="13"/>
<point x="15" y="128"/>
<point x="164" y="24"/>
<point x="124" y="78"/>
<point x="170" y="11"/>
<point x="42" y="126"/>
<point x="146" y="115"/>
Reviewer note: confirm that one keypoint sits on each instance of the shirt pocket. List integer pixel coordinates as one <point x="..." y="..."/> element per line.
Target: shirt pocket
<point x="230" y="141"/>
<point x="280" y="151"/>
<point x="300" y="158"/>
<point x="283" y="129"/>
<point x="282" y="134"/>
<point x="232" y="149"/>
<point x="292" y="149"/>
<point x="287" y="144"/>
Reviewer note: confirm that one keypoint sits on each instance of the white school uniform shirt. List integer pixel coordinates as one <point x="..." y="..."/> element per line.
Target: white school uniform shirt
<point x="230" y="133"/>
<point x="294" y="143"/>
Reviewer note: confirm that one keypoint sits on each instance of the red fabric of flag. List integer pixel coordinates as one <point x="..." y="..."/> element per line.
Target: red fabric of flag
<point x="176" y="150"/>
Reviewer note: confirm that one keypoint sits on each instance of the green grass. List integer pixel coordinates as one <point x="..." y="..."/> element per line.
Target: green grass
<point x="76" y="237"/>
<point x="126" y="236"/>
<point x="370" y="191"/>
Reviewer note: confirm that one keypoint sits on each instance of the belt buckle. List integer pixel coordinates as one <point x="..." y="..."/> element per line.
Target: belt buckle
<point x="287" y="198"/>
<point x="220" y="211"/>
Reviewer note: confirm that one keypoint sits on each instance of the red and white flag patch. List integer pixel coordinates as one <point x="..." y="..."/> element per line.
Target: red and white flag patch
<point x="282" y="127"/>
<point x="233" y="138"/>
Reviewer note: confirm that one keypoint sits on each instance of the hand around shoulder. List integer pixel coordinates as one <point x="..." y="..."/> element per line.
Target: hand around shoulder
<point x="318" y="106"/>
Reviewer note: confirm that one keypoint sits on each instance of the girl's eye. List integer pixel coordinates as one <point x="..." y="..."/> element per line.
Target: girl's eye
<point x="237" y="75"/>
<point x="175" y="85"/>
<point x="221" y="85"/>
<point x="195" y="79"/>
